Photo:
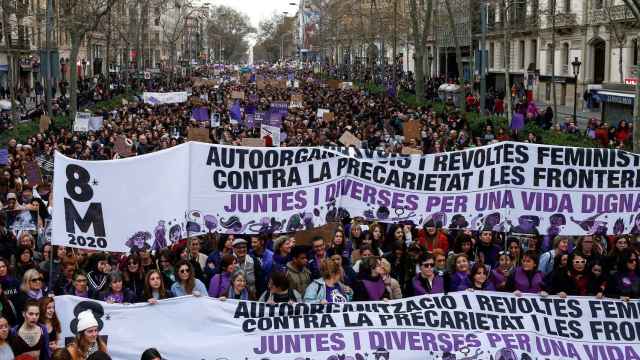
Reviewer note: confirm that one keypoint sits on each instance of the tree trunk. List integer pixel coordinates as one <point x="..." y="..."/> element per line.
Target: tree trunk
<point x="73" y="76"/>
<point x="553" y="61"/>
<point x="506" y="55"/>
<point x="108" y="55"/>
<point x="456" y="42"/>
<point x="419" y="50"/>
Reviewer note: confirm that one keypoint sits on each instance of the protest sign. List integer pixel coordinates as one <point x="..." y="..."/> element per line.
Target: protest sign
<point x="346" y="85"/>
<point x="4" y="156"/>
<point x="237" y="95"/>
<point x="305" y="237"/>
<point x="21" y="220"/>
<point x="252" y="142"/>
<point x="33" y="172"/>
<point x="95" y="123"/>
<point x="296" y="101"/>
<point x="508" y="187"/>
<point x="200" y="113"/>
<point x="261" y="84"/>
<point x="155" y="98"/>
<point x="407" y="150"/>
<point x="214" y="120"/>
<point x="81" y="123"/>
<point x="270" y="134"/>
<point x="411" y="129"/>
<point x="122" y="147"/>
<point x="321" y="112"/>
<point x="45" y="121"/>
<point x="259" y="117"/>
<point x="348" y="139"/>
<point x="490" y="325"/>
<point x="327" y="116"/>
<point x="334" y="84"/>
<point x="280" y="107"/>
<point x="198" y="134"/>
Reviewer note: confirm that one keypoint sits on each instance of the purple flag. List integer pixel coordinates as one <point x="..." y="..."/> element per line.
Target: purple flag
<point x="281" y="107"/>
<point x="200" y="113"/>
<point x="4" y="156"/>
<point x="234" y="112"/>
<point x="275" y="119"/>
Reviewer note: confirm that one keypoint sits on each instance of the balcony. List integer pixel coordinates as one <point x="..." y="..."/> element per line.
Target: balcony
<point x="565" y="70"/>
<point x="549" y="69"/>
<point x="608" y="14"/>
<point x="563" y="20"/>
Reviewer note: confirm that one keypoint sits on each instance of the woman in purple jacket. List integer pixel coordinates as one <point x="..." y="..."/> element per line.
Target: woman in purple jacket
<point x="459" y="277"/>
<point x="220" y="283"/>
<point x="526" y="278"/>
<point x="427" y="281"/>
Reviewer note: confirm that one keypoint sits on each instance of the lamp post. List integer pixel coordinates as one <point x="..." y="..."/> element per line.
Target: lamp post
<point x="576" y="70"/>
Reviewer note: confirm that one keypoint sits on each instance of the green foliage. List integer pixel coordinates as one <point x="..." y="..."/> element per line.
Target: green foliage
<point x="24" y="130"/>
<point x="551" y="137"/>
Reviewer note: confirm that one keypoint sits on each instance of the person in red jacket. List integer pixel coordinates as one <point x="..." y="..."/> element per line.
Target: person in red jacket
<point x="602" y="134"/>
<point x="623" y="132"/>
<point x="431" y="237"/>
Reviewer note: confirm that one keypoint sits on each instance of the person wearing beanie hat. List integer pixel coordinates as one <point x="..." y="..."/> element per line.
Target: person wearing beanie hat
<point x="87" y="339"/>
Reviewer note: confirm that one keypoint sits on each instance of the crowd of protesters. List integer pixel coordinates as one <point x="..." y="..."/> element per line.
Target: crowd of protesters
<point x="359" y="261"/>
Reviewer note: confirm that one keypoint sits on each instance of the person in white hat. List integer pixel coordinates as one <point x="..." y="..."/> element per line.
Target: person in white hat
<point x="87" y="337"/>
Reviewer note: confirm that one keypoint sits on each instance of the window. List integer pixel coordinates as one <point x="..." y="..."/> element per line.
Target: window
<point x="565" y="58"/>
<point x="567" y="6"/>
<point x="492" y="54"/>
<point x="533" y="50"/>
<point x="598" y="4"/>
<point x="521" y="54"/>
<point x="550" y="54"/>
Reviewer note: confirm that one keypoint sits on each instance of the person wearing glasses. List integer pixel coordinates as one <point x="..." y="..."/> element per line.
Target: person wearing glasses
<point x="626" y="281"/>
<point x="186" y="283"/>
<point x="427" y="280"/>
<point x="32" y="288"/>
<point x="574" y="279"/>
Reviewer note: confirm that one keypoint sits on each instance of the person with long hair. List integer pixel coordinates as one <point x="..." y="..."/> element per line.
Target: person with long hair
<point x="612" y="260"/>
<point x="626" y="281"/>
<point x="24" y="261"/>
<point x="154" y="288"/>
<point x="370" y="284"/>
<point x="459" y="273"/>
<point x="151" y="354"/>
<point x="225" y="247"/>
<point x="479" y="278"/>
<point x="166" y="268"/>
<point x="10" y="285"/>
<point x="79" y="286"/>
<point x="97" y="277"/>
<point x="515" y="250"/>
<point x="339" y="245"/>
<point x="133" y="275"/>
<point x="116" y="292"/>
<point x="396" y="236"/>
<point x="5" y="348"/>
<point x="31" y="338"/>
<point x="87" y="340"/>
<point x="187" y="284"/>
<point x="221" y="282"/>
<point x="573" y="279"/>
<point x="49" y="319"/>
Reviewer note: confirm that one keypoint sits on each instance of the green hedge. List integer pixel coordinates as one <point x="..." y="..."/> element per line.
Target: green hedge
<point x="22" y="131"/>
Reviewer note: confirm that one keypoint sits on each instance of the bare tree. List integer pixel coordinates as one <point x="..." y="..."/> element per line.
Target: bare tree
<point x="232" y="28"/>
<point x="420" y="30"/>
<point x="81" y="18"/>
<point x="13" y="14"/>
<point x="173" y="23"/>
<point x="456" y="41"/>
<point x="617" y="31"/>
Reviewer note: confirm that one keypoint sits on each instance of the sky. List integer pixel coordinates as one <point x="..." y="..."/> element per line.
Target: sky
<point x="257" y="10"/>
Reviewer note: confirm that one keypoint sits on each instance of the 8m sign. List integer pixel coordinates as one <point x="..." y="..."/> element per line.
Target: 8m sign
<point x="79" y="190"/>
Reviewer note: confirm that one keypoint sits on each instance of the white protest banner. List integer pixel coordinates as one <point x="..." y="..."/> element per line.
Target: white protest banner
<point x="81" y="123"/>
<point x="95" y="123"/>
<point x="508" y="187"/>
<point x="320" y="113"/>
<point x="155" y="98"/>
<point x="462" y="325"/>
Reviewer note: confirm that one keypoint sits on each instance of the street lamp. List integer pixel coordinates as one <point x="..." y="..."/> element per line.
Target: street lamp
<point x="576" y="70"/>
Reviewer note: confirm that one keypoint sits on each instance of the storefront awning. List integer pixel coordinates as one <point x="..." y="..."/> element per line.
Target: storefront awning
<point x="616" y="97"/>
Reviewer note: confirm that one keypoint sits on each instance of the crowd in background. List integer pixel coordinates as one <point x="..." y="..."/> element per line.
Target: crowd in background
<point x="358" y="261"/>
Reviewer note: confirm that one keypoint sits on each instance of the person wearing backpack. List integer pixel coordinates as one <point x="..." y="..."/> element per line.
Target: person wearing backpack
<point x="329" y="288"/>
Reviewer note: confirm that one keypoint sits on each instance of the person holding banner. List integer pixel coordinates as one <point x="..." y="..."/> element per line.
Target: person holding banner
<point x="154" y="288"/>
<point x="427" y="281"/>
<point x="278" y="290"/>
<point x="370" y="285"/>
<point x="459" y="274"/>
<point x="87" y="341"/>
<point x="186" y="283"/>
<point x="499" y="274"/>
<point x="117" y="293"/>
<point x="626" y="282"/>
<point x="238" y="289"/>
<point x="526" y="278"/>
<point x="79" y="286"/>
<point x="479" y="278"/>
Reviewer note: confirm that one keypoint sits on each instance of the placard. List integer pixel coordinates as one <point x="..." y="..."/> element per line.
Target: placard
<point x="252" y="142"/>
<point x="81" y="123"/>
<point x="45" y="121"/>
<point x="237" y="95"/>
<point x="348" y="139"/>
<point x="122" y="146"/>
<point x="412" y="130"/>
<point x="198" y="134"/>
<point x="407" y="150"/>
<point x="33" y="173"/>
